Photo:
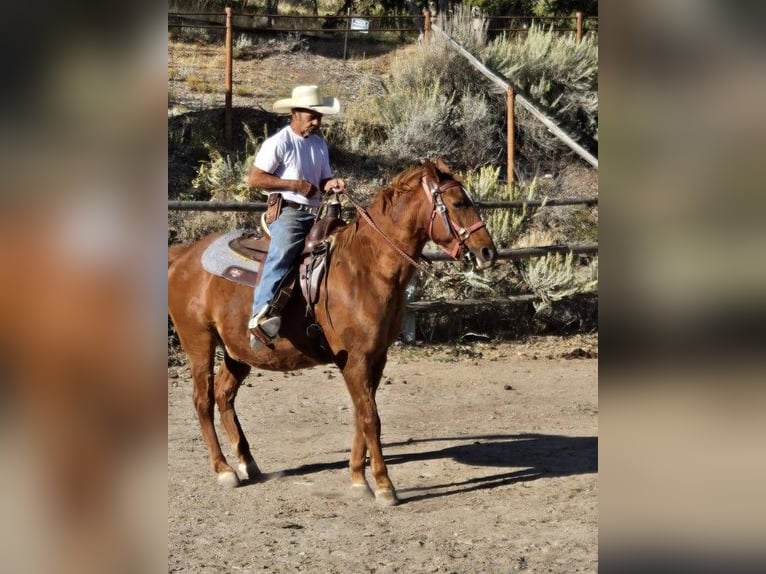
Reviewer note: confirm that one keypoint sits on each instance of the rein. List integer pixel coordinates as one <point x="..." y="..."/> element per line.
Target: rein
<point x="434" y="193"/>
<point x="366" y="216"/>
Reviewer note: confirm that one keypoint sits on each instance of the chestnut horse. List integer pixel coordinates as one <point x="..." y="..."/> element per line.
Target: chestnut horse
<point x="360" y="310"/>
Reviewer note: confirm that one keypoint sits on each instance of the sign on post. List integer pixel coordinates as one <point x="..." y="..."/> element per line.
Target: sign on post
<point x="360" y="25"/>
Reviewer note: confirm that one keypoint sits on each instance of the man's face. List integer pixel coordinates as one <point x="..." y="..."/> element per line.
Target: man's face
<point x="306" y="122"/>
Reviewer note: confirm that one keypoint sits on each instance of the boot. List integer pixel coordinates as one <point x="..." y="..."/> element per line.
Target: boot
<point x="264" y="326"/>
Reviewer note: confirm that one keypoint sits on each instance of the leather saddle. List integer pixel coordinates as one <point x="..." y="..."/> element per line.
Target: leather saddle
<point x="312" y="262"/>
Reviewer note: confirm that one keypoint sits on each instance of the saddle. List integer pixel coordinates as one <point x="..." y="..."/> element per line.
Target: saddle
<point x="312" y="262"/>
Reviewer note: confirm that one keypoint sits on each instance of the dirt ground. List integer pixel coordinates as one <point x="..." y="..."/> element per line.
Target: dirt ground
<point x="492" y="448"/>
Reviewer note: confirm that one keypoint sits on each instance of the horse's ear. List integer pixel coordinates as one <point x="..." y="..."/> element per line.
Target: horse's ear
<point x="442" y="166"/>
<point x="431" y="169"/>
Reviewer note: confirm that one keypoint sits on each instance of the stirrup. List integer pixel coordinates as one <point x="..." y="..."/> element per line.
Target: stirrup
<point x="258" y="339"/>
<point x="262" y="324"/>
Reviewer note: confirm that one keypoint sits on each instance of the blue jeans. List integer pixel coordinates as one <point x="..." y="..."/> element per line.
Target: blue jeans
<point x="288" y="233"/>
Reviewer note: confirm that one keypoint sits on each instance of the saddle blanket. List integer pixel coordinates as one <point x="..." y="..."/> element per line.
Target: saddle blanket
<point x="219" y="259"/>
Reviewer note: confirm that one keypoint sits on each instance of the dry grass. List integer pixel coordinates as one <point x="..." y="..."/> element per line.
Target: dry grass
<point x="269" y="69"/>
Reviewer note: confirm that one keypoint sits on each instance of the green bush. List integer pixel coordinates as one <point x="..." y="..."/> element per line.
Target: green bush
<point x="559" y="76"/>
<point x="556" y="277"/>
<point x="505" y="225"/>
<point x="432" y="107"/>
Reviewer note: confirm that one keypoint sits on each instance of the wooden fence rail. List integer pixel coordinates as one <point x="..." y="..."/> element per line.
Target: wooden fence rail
<point x="528" y="252"/>
<point x="442" y="304"/>
<point x="258" y="206"/>
<point x="185" y="20"/>
<point x="502" y="254"/>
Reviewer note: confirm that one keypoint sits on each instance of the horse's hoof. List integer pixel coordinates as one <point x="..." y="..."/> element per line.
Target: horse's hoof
<point x="228" y="479"/>
<point x="360" y="490"/>
<point x="386" y="497"/>
<point x="249" y="470"/>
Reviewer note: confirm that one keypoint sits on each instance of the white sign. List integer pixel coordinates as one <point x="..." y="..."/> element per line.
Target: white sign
<point x="360" y="25"/>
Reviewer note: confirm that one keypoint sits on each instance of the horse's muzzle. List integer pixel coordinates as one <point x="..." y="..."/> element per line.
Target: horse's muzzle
<point x="483" y="258"/>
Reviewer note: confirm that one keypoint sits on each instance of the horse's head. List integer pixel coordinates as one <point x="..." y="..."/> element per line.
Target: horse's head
<point x="455" y="224"/>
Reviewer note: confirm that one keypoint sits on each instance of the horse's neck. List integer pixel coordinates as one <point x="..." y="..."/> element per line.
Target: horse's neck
<point x="405" y="232"/>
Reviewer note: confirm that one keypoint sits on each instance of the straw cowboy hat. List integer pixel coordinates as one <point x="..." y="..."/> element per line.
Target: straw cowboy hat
<point x="307" y="97"/>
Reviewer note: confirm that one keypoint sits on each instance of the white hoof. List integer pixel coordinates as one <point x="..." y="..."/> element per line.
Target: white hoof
<point x="249" y="470"/>
<point x="360" y="490"/>
<point x="386" y="497"/>
<point x="228" y="479"/>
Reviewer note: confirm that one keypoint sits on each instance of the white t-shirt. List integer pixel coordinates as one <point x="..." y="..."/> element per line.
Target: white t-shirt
<point x="291" y="156"/>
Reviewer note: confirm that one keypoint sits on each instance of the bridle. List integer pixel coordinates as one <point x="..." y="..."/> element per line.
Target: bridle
<point x="434" y="193"/>
<point x="438" y="207"/>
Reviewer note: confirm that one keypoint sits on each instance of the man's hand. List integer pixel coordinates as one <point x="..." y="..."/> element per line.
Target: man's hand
<point x="305" y="188"/>
<point x="335" y="184"/>
<point x="268" y="181"/>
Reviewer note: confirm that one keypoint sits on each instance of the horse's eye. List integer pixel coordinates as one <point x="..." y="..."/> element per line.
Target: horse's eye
<point x="459" y="204"/>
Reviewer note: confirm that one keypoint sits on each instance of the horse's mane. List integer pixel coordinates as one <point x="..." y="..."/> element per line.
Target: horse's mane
<point x="386" y="199"/>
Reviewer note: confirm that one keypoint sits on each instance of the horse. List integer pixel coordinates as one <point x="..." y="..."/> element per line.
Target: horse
<point x="360" y="310"/>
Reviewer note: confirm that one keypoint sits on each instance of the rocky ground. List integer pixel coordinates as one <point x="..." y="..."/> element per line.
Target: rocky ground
<point x="492" y="447"/>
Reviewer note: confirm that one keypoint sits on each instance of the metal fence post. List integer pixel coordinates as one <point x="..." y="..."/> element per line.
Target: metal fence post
<point x="409" y="327"/>
<point x="511" y="136"/>
<point x="348" y="28"/>
<point x="228" y="73"/>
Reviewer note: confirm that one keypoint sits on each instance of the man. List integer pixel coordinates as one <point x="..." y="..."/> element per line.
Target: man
<point x="293" y="163"/>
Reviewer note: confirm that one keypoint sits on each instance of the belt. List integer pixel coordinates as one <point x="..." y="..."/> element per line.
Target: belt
<point x="300" y="206"/>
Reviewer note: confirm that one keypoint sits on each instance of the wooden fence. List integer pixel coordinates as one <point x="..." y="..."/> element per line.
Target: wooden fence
<point x="521" y="24"/>
<point x="503" y="254"/>
<point x="513" y="97"/>
<point x="415" y="306"/>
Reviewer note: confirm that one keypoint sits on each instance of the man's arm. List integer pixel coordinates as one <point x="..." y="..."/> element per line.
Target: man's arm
<point x="269" y="182"/>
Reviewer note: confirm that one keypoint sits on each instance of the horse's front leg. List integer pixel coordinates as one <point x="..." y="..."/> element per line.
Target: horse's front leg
<point x="362" y="381"/>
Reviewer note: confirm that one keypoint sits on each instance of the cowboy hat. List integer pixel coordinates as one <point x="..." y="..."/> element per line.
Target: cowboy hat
<point x="307" y="97"/>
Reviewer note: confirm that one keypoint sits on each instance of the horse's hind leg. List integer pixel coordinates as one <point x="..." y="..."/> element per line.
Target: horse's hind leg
<point x="201" y="353"/>
<point x="227" y="382"/>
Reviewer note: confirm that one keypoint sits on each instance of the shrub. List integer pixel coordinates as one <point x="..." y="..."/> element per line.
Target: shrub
<point x="503" y="224"/>
<point x="469" y="32"/>
<point x="559" y="76"/>
<point x="556" y="277"/>
<point x="241" y="46"/>
<point x="221" y="177"/>
<point x="432" y="108"/>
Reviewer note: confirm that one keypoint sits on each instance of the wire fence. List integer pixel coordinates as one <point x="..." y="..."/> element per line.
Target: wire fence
<point x="210" y="84"/>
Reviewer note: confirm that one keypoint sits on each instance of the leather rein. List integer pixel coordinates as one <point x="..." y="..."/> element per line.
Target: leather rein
<point x="434" y="193"/>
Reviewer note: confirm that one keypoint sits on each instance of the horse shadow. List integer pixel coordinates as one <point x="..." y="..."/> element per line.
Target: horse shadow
<point x="532" y="456"/>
